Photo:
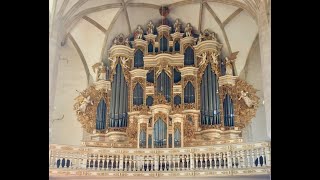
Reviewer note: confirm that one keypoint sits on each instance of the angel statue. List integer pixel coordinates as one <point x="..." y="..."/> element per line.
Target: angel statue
<point x="150" y="27"/>
<point x="177" y="25"/>
<point x="229" y="61"/>
<point x="83" y="105"/>
<point x="138" y="33"/>
<point x="246" y="99"/>
<point x="214" y="57"/>
<point x="113" y="62"/>
<point x="100" y="71"/>
<point x="124" y="61"/>
<point x="188" y="30"/>
<point x="203" y="59"/>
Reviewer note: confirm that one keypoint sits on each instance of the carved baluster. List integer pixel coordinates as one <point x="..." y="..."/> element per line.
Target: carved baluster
<point x="267" y="153"/>
<point x="206" y="161"/>
<point x="196" y="161"/>
<point x="199" y="166"/>
<point x="263" y="157"/>
<point x="85" y="159"/>
<point x="224" y="159"/>
<point x="188" y="164"/>
<point x="108" y="163"/>
<point x="71" y="160"/>
<point x="75" y="165"/>
<point x="167" y="163"/>
<point x="214" y="161"/>
<point x="248" y="158"/>
<point x="183" y="162"/>
<point x="130" y="163"/>
<point x="237" y="159"/>
<point x="210" y="160"/>
<point x="134" y="162"/>
<point x="191" y="161"/>
<point x="99" y="162"/>
<point x="151" y="163"/>
<point x="229" y="161"/>
<point x="113" y="162"/>
<point x="242" y="159"/>
<point x="252" y="158"/>
<point x="258" y="157"/>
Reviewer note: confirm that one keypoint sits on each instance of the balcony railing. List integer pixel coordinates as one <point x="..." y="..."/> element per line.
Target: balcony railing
<point x="218" y="160"/>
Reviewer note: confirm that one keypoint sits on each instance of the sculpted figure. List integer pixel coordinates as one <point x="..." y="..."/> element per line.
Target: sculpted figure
<point x="188" y="30"/>
<point x="100" y="71"/>
<point x="177" y="25"/>
<point x="246" y="99"/>
<point x="150" y="27"/>
<point x="138" y="33"/>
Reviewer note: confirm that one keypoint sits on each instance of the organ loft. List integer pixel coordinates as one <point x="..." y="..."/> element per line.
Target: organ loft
<point x="165" y="86"/>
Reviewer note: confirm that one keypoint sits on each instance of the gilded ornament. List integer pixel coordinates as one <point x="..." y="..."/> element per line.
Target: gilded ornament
<point x="87" y="116"/>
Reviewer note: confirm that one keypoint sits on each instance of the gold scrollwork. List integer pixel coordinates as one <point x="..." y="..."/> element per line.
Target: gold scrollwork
<point x="243" y="113"/>
<point x="132" y="130"/>
<point x="159" y="99"/>
<point x="188" y="131"/>
<point x="160" y="115"/>
<point x="177" y="125"/>
<point x="189" y="78"/>
<point x="138" y="80"/>
<point x="87" y="118"/>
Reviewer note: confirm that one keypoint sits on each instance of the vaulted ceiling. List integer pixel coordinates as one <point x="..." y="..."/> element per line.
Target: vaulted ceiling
<point x="91" y="25"/>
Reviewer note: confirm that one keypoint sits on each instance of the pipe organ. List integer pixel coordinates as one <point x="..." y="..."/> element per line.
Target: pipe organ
<point x="166" y="87"/>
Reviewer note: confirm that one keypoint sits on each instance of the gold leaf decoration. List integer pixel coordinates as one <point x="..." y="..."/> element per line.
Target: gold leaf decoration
<point x="88" y="117"/>
<point x="132" y="130"/>
<point x="243" y="113"/>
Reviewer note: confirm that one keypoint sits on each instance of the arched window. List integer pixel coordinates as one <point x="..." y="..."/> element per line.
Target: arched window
<point x="177" y="138"/>
<point x="177" y="46"/>
<point x="149" y="101"/>
<point x="228" y="111"/>
<point x="188" y="56"/>
<point x="189" y="93"/>
<point x="138" y="59"/>
<point x="142" y="139"/>
<point x="210" y="114"/>
<point x="138" y="95"/>
<point x="160" y="134"/>
<point x="150" y="47"/>
<point x="177" y="100"/>
<point x="164" y="85"/>
<point x="163" y="44"/>
<point x="150" y="76"/>
<point x="101" y="115"/>
<point x="176" y="75"/>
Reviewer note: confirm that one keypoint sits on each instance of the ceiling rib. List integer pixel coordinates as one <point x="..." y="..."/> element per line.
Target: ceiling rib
<point x="84" y="62"/>
<point x="95" y="23"/>
<point x="220" y="25"/>
<point x="126" y="14"/>
<point x="234" y="14"/>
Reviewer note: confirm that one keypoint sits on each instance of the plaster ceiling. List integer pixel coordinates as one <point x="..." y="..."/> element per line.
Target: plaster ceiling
<point x="95" y="23"/>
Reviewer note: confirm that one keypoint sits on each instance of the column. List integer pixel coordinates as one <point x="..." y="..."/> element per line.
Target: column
<point x="265" y="53"/>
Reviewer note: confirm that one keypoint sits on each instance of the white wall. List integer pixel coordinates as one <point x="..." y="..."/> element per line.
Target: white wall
<point x="256" y="131"/>
<point x="71" y="77"/>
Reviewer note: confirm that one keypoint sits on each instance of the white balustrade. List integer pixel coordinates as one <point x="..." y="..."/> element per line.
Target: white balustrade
<point x="216" y="158"/>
